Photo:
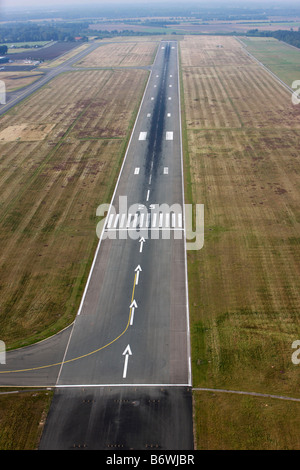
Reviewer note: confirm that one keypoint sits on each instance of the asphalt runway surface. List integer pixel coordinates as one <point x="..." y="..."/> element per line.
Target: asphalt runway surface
<point x="121" y="371"/>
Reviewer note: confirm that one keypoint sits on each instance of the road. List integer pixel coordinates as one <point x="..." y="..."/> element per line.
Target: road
<point x="124" y="380"/>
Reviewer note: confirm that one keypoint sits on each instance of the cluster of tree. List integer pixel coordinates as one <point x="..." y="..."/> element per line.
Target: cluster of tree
<point x="290" y="37"/>
<point x="111" y="34"/>
<point x="30" y="32"/>
<point x="3" y="50"/>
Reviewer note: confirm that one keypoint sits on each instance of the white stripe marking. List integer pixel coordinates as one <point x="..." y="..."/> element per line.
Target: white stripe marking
<point x="128" y="220"/>
<point x="161" y="215"/>
<point x="154" y="220"/>
<point x="142" y="216"/>
<point x="123" y="216"/>
<point x="125" y="366"/>
<point x="143" y="136"/>
<point x="116" y="220"/>
<point x="180" y="220"/>
<point x="169" y="136"/>
<point x="110" y="220"/>
<point x="137" y="170"/>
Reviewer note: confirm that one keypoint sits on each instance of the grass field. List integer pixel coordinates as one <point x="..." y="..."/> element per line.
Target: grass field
<point x="15" y="80"/>
<point x="22" y="418"/>
<point x="124" y="54"/>
<point x="63" y="58"/>
<point x="61" y="151"/>
<point x="242" y="162"/>
<point x="231" y="422"/>
<point x="280" y="58"/>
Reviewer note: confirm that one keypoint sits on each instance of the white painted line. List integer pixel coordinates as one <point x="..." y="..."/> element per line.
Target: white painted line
<point x="179" y="220"/>
<point x="173" y="220"/>
<point x="149" y="115"/>
<point x="157" y="76"/>
<point x="161" y="216"/>
<point x="142" y="216"/>
<point x="155" y="86"/>
<point x="116" y="220"/>
<point x="167" y="224"/>
<point x="143" y="136"/>
<point x="125" y="366"/>
<point x="132" y="307"/>
<point x="141" y="241"/>
<point x="148" y="220"/>
<point x="154" y="217"/>
<point x="119" y="385"/>
<point x="126" y="353"/>
<point x="170" y="86"/>
<point x="169" y="98"/>
<point x="110" y="220"/>
<point x="128" y="220"/>
<point x="148" y="194"/>
<point x="169" y="114"/>
<point x="138" y="269"/>
<point x="150" y="178"/>
<point x="150" y="228"/>
<point x="163" y="47"/>
<point x="171" y="76"/>
<point x="166" y="170"/>
<point x="152" y="98"/>
<point x="123" y="216"/>
<point x="169" y="136"/>
<point x="137" y="170"/>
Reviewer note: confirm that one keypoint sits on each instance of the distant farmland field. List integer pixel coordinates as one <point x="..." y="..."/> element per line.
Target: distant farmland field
<point x="242" y="146"/>
<point x="45" y="53"/>
<point x="61" y="151"/>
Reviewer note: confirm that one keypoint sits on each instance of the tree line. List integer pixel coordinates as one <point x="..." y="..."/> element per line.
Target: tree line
<point x="31" y="32"/>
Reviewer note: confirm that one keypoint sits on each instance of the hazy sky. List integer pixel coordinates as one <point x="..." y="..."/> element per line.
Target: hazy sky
<point x="61" y="3"/>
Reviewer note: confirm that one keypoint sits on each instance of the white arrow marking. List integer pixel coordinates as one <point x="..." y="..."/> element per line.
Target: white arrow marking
<point x="126" y="353"/>
<point x="142" y="241"/>
<point x="132" y="306"/>
<point x="137" y="270"/>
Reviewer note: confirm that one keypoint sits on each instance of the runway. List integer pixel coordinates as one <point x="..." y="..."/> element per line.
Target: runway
<point x="125" y="374"/>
